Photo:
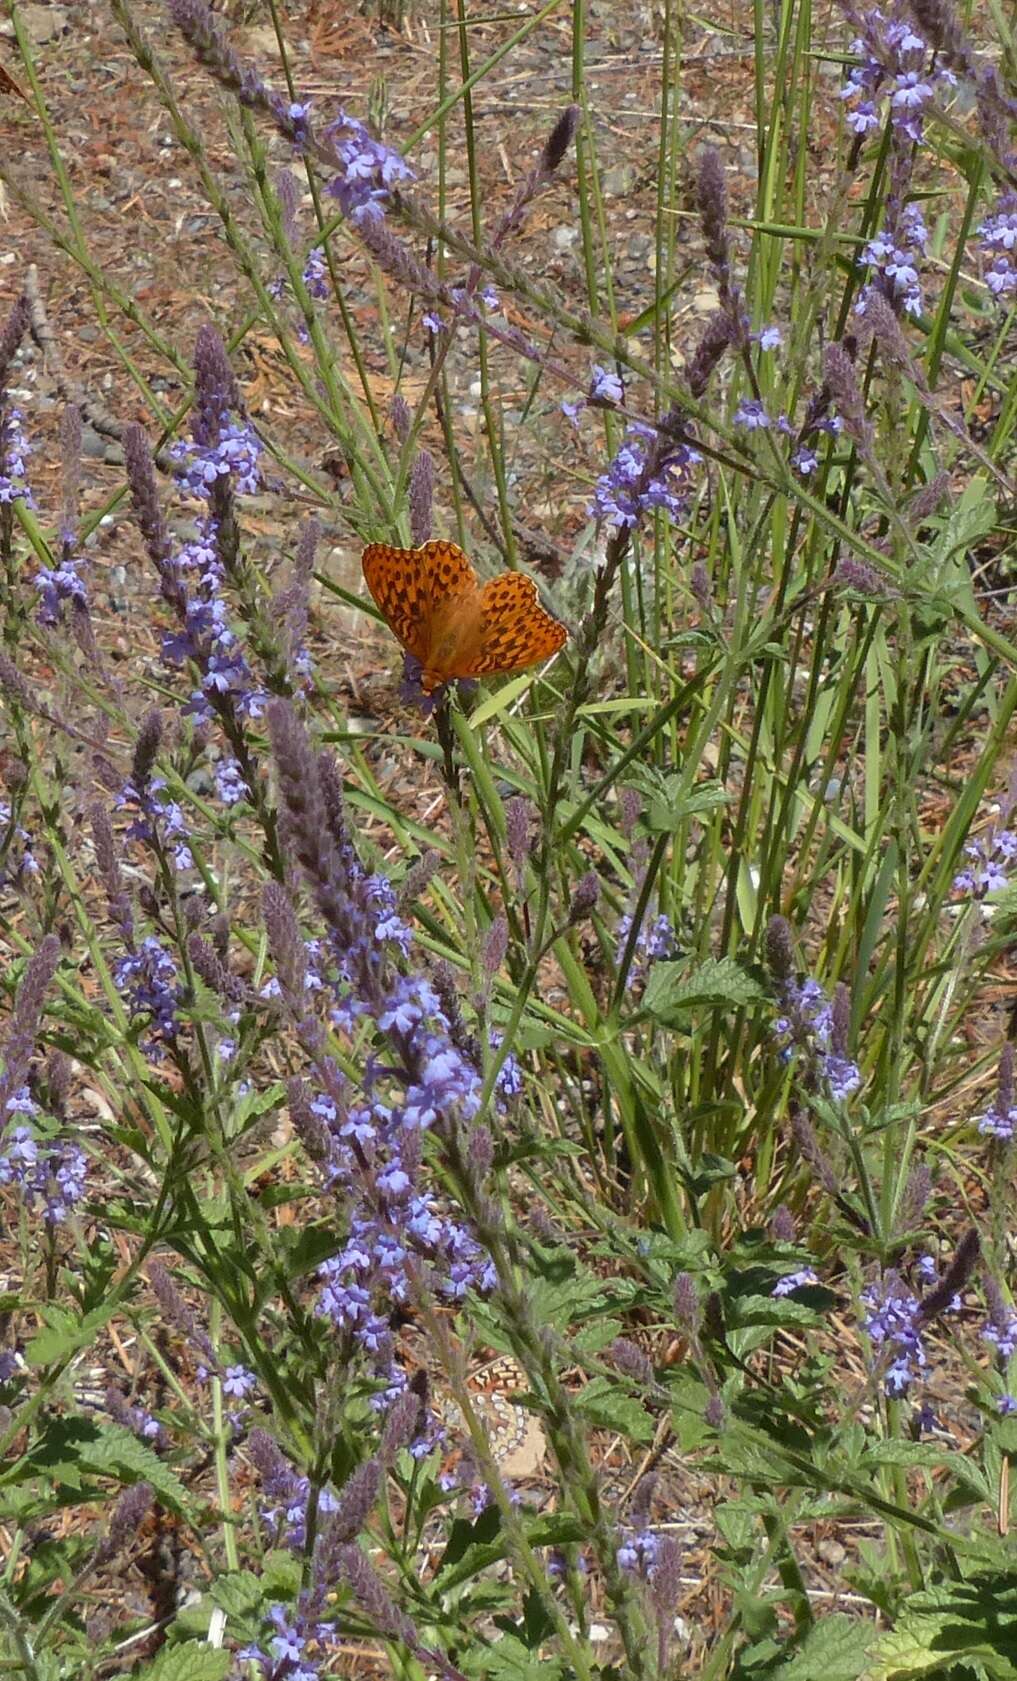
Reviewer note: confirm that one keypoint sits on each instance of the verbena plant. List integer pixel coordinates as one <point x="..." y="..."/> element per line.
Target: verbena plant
<point x="647" y="1056"/>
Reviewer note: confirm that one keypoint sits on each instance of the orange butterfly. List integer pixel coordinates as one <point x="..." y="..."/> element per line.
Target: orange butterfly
<point x="452" y="623"/>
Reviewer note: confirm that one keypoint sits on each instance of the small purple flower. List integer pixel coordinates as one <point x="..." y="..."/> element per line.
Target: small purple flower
<point x="147" y="981"/>
<point x="656" y="940"/>
<point x="807" y="1025"/>
<point x="646" y="473"/>
<point x="605" y="387"/>
<point x="15" y="848"/>
<point x="572" y="411"/>
<point x="892" y="254"/>
<point x="892" y="1321"/>
<point x="286" y="1642"/>
<point x="794" y="1281"/>
<point x="638" y="1552"/>
<point x="770" y="338"/>
<point x="234" y="454"/>
<point x="805" y="460"/>
<point x="14" y="451"/>
<point x="992" y="857"/>
<point x="999" y="1123"/>
<point x="60" y="586"/>
<point x="433" y="322"/>
<point x="751" y="414"/>
<point x="368" y="170"/>
<point x="997" y="236"/>
<point x="863" y="118"/>
<point x="316" y="273"/>
<point x="239" y="1383"/>
<point x="890" y="69"/>
<point x="229" y="782"/>
<point x="1007" y="1405"/>
<point x="1001" y="1332"/>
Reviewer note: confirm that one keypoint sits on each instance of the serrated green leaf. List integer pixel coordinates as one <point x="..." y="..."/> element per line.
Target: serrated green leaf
<point x="833" y="1650"/>
<point x="254" y="1103"/>
<point x="472" y="1557"/>
<point x="510" y="1660"/>
<point x="69" y="1447"/>
<point x="65" y="1333"/>
<point x="930" y="1456"/>
<point x="606" y="1404"/>
<point x="973" y="1623"/>
<point x="672" y="988"/>
<point x="238" y="1593"/>
<point x="193" y="1661"/>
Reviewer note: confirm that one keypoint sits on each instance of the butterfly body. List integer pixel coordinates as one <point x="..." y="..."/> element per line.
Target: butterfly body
<point x="433" y="601"/>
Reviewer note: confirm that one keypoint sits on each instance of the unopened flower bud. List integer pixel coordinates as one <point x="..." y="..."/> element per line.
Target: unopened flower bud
<point x="495" y="946"/>
<point x="780" y="955"/>
<point x="560" y="139"/>
<point x="585" y="897"/>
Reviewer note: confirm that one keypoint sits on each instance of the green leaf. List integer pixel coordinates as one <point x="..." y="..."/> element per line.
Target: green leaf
<point x="193" y="1661"/>
<point x="255" y="1103"/>
<point x="672" y="988"/>
<point x="973" y="1623"/>
<point x="933" y="1458"/>
<point x="510" y="1660"/>
<point x="605" y="1404"/>
<point x="833" y="1650"/>
<point x="65" y="1333"/>
<point x="70" y="1446"/>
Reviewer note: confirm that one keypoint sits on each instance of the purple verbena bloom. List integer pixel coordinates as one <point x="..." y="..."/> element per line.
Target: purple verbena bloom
<point x="805" y="460"/>
<point x="992" y="858"/>
<point x="892" y="1322"/>
<point x="316" y="273"/>
<point x="794" y="1281"/>
<point x="60" y="586"/>
<point x="510" y="1075"/>
<point x="997" y="236"/>
<point x="806" y="1025"/>
<point x="605" y="387"/>
<point x="656" y="939"/>
<point x="239" y="1383"/>
<point x="47" y="1171"/>
<point x="890" y="74"/>
<point x="649" y="471"/>
<point x="1001" y="1332"/>
<point x="229" y="782"/>
<point x="770" y="338"/>
<point x="638" y="1552"/>
<point x="751" y="414"/>
<point x="368" y="170"/>
<point x="1007" y="1405"/>
<point x="572" y="411"/>
<point x="15" y="847"/>
<point x="147" y="981"/>
<point x="14" y="451"/>
<point x="433" y="322"/>
<point x="1000" y="1123"/>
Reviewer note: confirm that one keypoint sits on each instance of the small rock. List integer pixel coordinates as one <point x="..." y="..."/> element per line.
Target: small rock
<point x="92" y="445"/>
<point x="43" y="23"/>
<point x="619" y="180"/>
<point x="832" y="1553"/>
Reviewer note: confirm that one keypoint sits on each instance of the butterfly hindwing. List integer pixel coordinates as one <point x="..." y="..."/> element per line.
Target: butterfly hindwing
<point x="407" y="583"/>
<point x="516" y="632"/>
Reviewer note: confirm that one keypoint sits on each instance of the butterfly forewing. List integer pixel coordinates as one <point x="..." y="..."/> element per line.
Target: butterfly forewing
<point x="517" y="632"/>
<point x="407" y="583"/>
<point x="432" y="600"/>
